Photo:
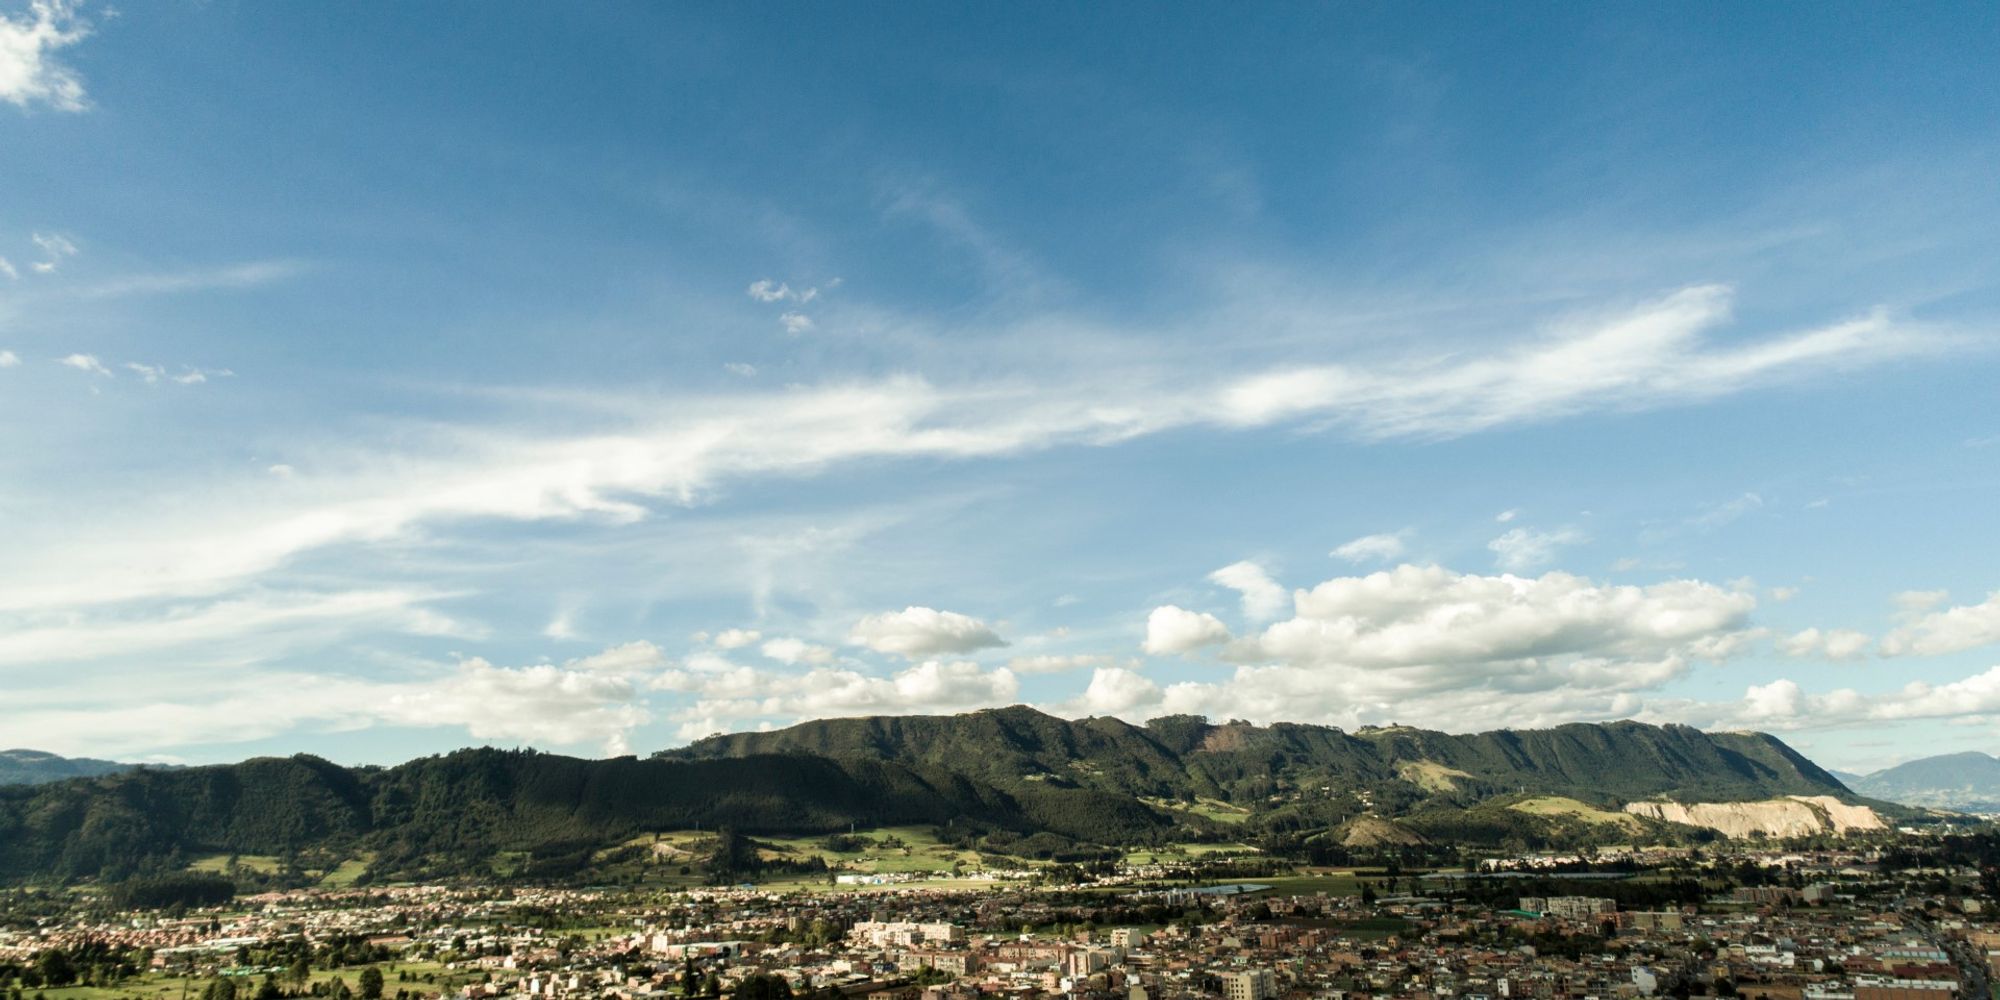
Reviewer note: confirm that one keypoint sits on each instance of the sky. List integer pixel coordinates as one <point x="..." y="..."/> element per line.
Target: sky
<point x="378" y="378"/>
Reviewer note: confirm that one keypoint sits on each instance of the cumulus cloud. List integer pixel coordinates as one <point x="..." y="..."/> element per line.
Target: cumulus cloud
<point x="795" y="322"/>
<point x="1951" y="630"/>
<point x="1427" y="644"/>
<point x="1113" y="691"/>
<point x="8" y="359"/>
<point x="931" y="687"/>
<point x="541" y="704"/>
<point x="918" y="632"/>
<point x="740" y="369"/>
<point x="736" y="638"/>
<point x="1263" y="597"/>
<point x="1783" y="704"/>
<point x="1522" y="549"/>
<point x="1372" y="548"/>
<point x="1053" y="663"/>
<point x="30" y="72"/>
<point x="595" y="701"/>
<point x="1174" y="631"/>
<point x="794" y="651"/>
<point x="1832" y="644"/>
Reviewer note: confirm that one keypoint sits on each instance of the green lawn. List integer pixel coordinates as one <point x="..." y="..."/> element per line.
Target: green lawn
<point x="262" y="864"/>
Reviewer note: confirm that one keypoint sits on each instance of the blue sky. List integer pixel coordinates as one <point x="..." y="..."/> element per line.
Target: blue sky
<point x="378" y="379"/>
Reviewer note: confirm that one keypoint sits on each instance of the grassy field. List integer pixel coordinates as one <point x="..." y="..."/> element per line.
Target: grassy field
<point x="1430" y="775"/>
<point x="894" y="849"/>
<point x="1556" y="805"/>
<point x="656" y="859"/>
<point x="263" y="864"/>
<point x="1176" y="853"/>
<point x="1214" y="809"/>
<point x="345" y="873"/>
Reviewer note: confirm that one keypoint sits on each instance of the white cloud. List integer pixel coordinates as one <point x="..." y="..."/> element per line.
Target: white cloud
<point x="85" y="363"/>
<point x="1783" y="594"/>
<point x="728" y="700"/>
<point x="1054" y="663"/>
<point x="736" y="638"/>
<point x="1916" y="602"/>
<point x="1113" y="691"/>
<point x="1507" y="515"/>
<point x="1717" y="515"/>
<point x="55" y="248"/>
<point x="766" y="290"/>
<point x="8" y="359"/>
<point x="1650" y="356"/>
<point x="795" y="651"/>
<point x="1940" y="632"/>
<point x="681" y="451"/>
<point x="8" y="270"/>
<point x="1783" y="704"/>
<point x="918" y="632"/>
<point x="624" y="660"/>
<point x="1436" y="622"/>
<point x="1427" y="645"/>
<point x="1522" y="549"/>
<point x="30" y="73"/>
<point x="1263" y="598"/>
<point x="257" y="617"/>
<point x="740" y="369"/>
<point x="796" y="322"/>
<point x="562" y="626"/>
<point x="1172" y="631"/>
<point x="1371" y="548"/>
<point x="1833" y="644"/>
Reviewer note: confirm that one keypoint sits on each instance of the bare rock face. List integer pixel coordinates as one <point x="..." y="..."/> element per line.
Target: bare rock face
<point x="1793" y="816"/>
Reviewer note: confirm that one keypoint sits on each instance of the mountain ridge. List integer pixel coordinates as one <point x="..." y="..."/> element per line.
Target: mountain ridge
<point x="34" y="767"/>
<point x="1968" y="781"/>
<point x="1012" y="780"/>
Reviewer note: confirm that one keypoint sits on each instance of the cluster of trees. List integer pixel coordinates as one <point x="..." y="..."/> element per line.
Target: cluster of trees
<point x="89" y="963"/>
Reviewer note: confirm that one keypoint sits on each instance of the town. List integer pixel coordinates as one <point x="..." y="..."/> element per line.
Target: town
<point x="1887" y="921"/>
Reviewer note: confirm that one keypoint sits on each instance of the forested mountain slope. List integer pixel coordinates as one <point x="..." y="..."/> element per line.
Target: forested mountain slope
<point x="993" y="776"/>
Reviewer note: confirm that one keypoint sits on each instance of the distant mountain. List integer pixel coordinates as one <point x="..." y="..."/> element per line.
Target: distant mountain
<point x="1966" y="782"/>
<point x="33" y="767"/>
<point x="1013" y="781"/>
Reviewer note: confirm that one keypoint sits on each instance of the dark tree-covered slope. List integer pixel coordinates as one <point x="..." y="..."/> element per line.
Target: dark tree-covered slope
<point x="1093" y="781"/>
<point x="1241" y="762"/>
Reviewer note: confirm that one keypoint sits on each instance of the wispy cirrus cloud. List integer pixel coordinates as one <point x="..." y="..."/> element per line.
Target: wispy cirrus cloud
<point x="679" y="454"/>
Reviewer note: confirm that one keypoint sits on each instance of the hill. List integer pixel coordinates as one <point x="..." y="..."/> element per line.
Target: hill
<point x="1179" y="756"/>
<point x="1965" y="782"/>
<point x="1012" y="781"/>
<point x="33" y="767"/>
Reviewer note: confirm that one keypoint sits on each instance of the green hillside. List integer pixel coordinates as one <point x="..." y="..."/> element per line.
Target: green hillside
<point x="1012" y="780"/>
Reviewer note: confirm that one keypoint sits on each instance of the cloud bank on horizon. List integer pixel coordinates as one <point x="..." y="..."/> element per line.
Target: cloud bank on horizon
<point x="602" y="417"/>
